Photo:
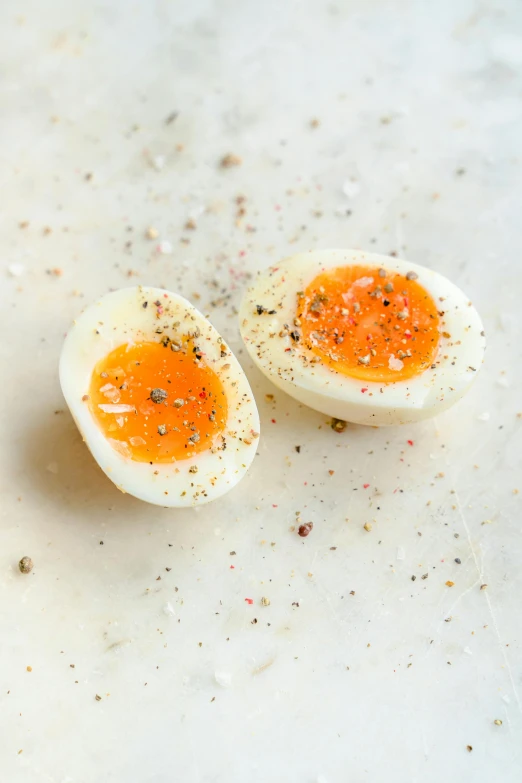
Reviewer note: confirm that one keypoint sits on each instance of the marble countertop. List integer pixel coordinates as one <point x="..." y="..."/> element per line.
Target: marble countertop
<point x="388" y="125"/>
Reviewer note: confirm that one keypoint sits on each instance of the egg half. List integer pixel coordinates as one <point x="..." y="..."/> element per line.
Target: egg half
<point x="362" y="337"/>
<point x="159" y="398"/>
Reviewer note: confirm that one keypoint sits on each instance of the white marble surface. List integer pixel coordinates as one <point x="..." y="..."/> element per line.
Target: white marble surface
<point x="419" y="138"/>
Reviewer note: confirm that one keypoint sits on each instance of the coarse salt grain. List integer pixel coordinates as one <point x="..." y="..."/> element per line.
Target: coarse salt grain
<point x="16" y="270"/>
<point x="223" y="678"/>
<point x="351" y="188"/>
<point x="165" y="247"/>
<point x="158" y="162"/>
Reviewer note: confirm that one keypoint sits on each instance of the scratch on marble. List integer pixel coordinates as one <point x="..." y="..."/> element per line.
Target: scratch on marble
<point x="488" y="600"/>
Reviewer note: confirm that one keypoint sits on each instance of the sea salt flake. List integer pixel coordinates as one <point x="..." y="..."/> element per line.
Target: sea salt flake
<point x="122" y="408"/>
<point x="137" y="440"/>
<point x="111" y="392"/>
<point x="362" y="282"/>
<point x="395" y="364"/>
<point x="121" y="446"/>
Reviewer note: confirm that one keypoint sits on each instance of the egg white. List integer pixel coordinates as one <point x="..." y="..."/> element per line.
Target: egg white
<point x="323" y="388"/>
<point x="119" y="318"/>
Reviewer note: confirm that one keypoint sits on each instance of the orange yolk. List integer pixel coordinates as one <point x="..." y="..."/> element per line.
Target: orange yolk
<point x="370" y="324"/>
<point x="155" y="404"/>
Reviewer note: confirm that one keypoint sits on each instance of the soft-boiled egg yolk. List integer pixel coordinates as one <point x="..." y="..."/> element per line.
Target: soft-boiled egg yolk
<point x="369" y="323"/>
<point x="156" y="404"/>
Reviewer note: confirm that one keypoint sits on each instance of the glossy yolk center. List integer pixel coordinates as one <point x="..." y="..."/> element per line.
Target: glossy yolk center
<point x="369" y="323"/>
<point x="155" y="404"/>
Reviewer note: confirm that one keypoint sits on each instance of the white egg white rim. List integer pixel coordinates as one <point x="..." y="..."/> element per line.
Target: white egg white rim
<point x="105" y="325"/>
<point x="276" y="289"/>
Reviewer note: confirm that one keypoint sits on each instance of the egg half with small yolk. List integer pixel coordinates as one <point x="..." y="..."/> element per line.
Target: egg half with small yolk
<point x="159" y="398"/>
<point x="363" y="337"/>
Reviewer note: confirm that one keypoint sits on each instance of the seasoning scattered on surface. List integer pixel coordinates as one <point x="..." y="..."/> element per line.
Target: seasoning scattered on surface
<point x="483" y="587"/>
<point x="449" y="583"/>
<point x="469" y="748"/>
<point x="152" y="233"/>
<point x="230" y="160"/>
<point x="26" y="565"/>
<point x="98" y="697"/>
<point x="162" y="430"/>
<point x="338" y="425"/>
<point x="158" y="395"/>
<point x="497" y="722"/>
<point x="368" y="526"/>
<point x="265" y="601"/>
<point x="305" y="529"/>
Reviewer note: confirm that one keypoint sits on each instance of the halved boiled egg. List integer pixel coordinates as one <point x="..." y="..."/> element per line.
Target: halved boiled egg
<point x="363" y="337"/>
<point x="160" y="400"/>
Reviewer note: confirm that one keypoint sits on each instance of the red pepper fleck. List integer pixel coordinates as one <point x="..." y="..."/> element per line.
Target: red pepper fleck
<point x="242" y="253"/>
<point x="366" y="486"/>
<point x="232" y="566"/>
<point x="273" y="421"/>
<point x="365" y="389"/>
<point x="274" y="505"/>
<point x="405" y="302"/>
<point x="277" y="207"/>
<point x="165" y="296"/>
<point x="202" y="394"/>
<point x="410" y="443"/>
<point x="249" y="600"/>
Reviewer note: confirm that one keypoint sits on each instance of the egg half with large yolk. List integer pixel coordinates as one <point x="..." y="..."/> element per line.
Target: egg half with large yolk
<point x="363" y="337"/>
<point x="160" y="400"/>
